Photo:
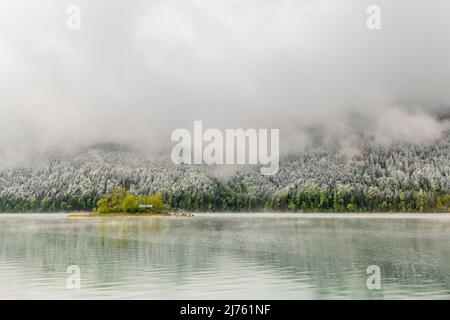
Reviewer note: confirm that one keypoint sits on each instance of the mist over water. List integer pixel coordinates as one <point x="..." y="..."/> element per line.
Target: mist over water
<point x="225" y="256"/>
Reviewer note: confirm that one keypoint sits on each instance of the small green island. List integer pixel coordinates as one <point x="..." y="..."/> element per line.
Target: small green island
<point x="121" y="202"/>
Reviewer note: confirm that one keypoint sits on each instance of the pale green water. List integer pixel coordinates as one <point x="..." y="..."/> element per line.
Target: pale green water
<point x="258" y="256"/>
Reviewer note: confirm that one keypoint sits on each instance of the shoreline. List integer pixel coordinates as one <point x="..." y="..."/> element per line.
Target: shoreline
<point x="87" y="214"/>
<point x="244" y="215"/>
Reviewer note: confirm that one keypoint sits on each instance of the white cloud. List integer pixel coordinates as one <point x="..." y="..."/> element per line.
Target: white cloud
<point x="134" y="72"/>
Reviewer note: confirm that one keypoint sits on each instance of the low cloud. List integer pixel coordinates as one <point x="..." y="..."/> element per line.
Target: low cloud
<point x="135" y="72"/>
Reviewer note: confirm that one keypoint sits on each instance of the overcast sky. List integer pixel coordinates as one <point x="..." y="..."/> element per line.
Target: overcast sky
<point x="139" y="69"/>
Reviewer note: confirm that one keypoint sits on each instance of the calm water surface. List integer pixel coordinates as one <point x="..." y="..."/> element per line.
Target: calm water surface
<point x="225" y="256"/>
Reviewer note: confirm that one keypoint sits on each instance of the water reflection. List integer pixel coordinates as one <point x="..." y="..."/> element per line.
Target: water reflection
<point x="223" y="257"/>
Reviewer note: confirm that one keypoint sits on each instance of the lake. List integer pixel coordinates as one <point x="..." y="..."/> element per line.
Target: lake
<point x="225" y="256"/>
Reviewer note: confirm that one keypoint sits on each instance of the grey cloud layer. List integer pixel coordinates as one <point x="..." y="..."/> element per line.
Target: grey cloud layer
<point x="137" y="70"/>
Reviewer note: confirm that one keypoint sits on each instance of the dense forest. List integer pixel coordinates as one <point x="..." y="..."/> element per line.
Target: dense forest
<point x="400" y="177"/>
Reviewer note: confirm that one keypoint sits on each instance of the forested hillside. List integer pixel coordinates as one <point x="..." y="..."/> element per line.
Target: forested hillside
<point x="402" y="177"/>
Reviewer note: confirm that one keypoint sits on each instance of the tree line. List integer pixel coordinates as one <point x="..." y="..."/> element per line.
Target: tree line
<point x="401" y="177"/>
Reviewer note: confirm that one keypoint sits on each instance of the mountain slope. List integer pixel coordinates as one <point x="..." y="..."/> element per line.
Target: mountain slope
<point x="404" y="177"/>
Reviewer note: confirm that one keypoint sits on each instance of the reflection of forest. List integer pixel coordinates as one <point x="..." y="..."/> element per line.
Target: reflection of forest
<point x="329" y="254"/>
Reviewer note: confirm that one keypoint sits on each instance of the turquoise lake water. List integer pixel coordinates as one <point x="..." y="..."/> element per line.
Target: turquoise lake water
<point x="225" y="256"/>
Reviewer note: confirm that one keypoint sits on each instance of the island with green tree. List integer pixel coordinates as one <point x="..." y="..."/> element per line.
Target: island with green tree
<point x="122" y="202"/>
